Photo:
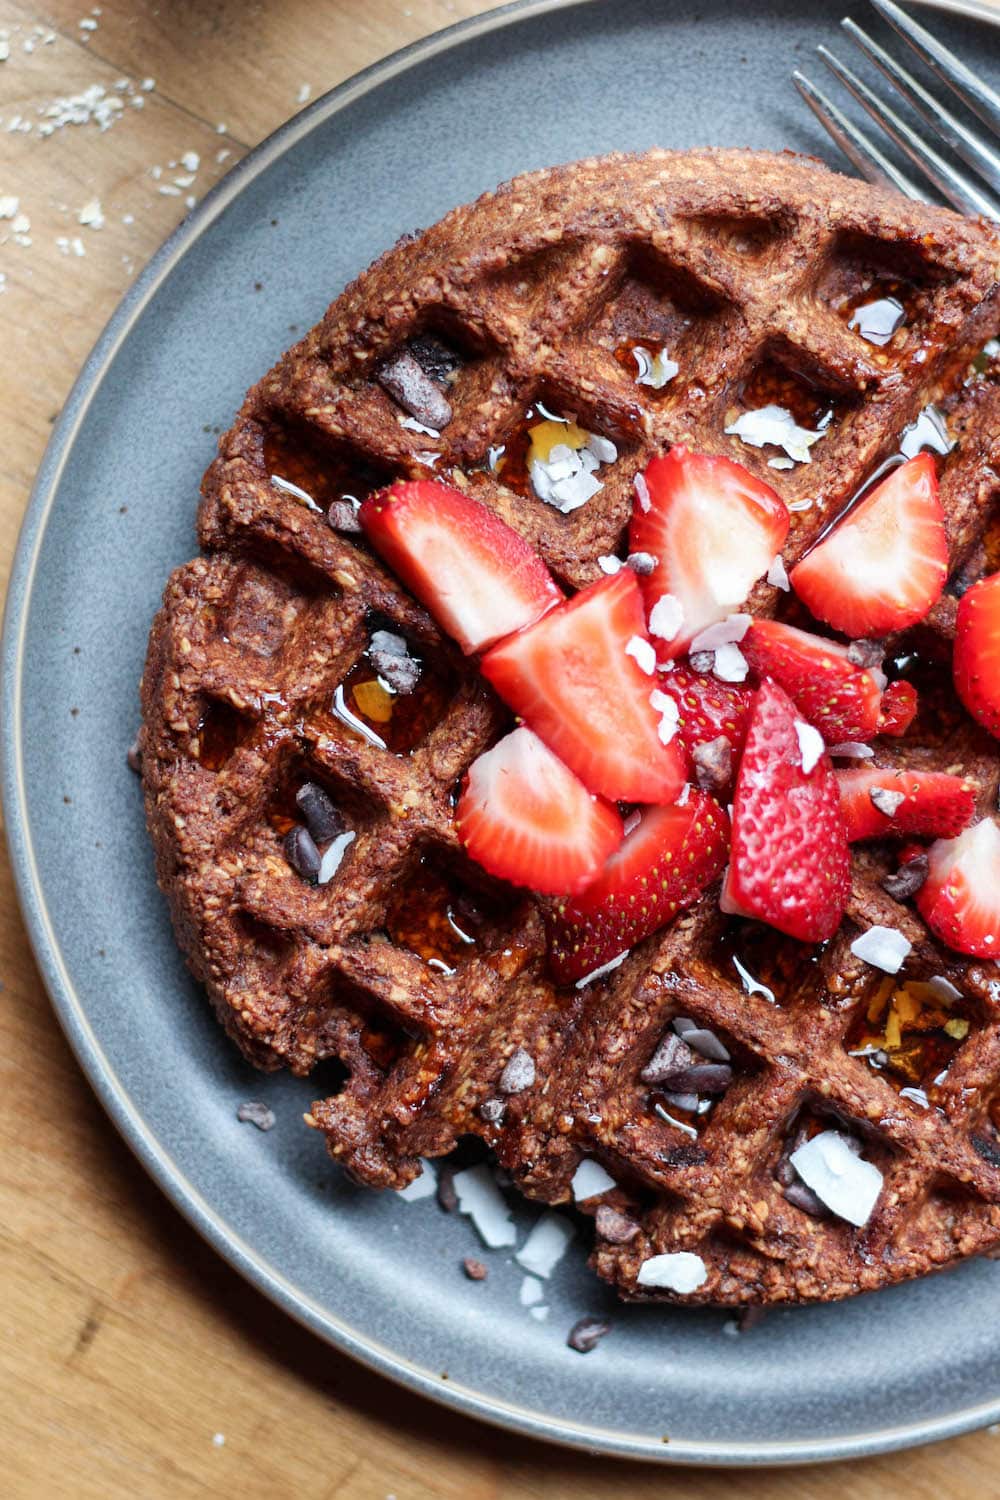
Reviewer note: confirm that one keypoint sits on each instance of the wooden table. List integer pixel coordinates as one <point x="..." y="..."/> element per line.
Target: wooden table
<point x="134" y="1362"/>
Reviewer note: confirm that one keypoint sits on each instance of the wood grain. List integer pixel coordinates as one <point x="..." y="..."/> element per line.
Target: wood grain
<point x="126" y="1344"/>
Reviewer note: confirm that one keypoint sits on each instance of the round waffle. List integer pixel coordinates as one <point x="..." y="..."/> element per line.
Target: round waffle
<point x="409" y="965"/>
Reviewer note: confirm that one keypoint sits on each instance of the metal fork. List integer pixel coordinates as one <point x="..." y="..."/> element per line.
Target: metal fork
<point x="966" y="192"/>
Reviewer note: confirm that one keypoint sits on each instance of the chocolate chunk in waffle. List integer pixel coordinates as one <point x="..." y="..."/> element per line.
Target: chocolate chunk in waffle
<point x="409" y="964"/>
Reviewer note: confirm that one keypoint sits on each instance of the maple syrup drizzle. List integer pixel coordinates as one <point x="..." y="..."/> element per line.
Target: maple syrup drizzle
<point x="366" y="705"/>
<point x="773" y="384"/>
<point x="909" y="1035"/>
<point x="939" y="712"/>
<point x="316" y="476"/>
<point x="435" y="918"/>
<point x="221" y="731"/>
<point x="850" y="302"/>
<point x="762" y="962"/>
<point x="379" y="1034"/>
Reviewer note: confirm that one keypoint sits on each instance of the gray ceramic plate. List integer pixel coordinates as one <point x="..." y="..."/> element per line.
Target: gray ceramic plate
<point x="394" y="148"/>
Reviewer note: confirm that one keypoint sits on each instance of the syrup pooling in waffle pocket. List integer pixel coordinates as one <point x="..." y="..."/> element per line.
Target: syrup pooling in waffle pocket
<point x="730" y="269"/>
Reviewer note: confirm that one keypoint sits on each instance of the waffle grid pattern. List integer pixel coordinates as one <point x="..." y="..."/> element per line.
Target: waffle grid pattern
<point x="740" y="264"/>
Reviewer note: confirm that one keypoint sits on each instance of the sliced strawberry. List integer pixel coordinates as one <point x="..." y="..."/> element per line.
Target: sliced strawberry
<point x="663" y="865"/>
<point x="933" y="804"/>
<point x="707" y="710"/>
<point x="977" y="652"/>
<point x="523" y="816"/>
<point x="789" y="864"/>
<point x="714" y="530"/>
<point x="478" y="578"/>
<point x="899" y="708"/>
<point x="571" y="678"/>
<point x="884" y="566"/>
<point x="960" y="899"/>
<point x="842" y="700"/>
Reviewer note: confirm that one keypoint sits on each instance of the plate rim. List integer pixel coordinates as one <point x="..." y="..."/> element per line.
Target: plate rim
<point x="70" y="1009"/>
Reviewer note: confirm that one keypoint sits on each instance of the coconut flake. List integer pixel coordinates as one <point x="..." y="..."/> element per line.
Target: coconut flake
<point x="730" y="664"/>
<point x="777" y="575"/>
<point x="700" y="1039"/>
<point x="654" y="370"/>
<point x="546" y="1245"/>
<point x="679" y="1271"/>
<point x="631" y="823"/>
<point x="811" y="745"/>
<point x="590" y="1180"/>
<point x="852" y="750"/>
<point x="846" y="1183"/>
<point x="602" y="448"/>
<point x="724" y="633"/>
<point x="610" y="565"/>
<point x="422" y="1186"/>
<point x="929" y="431"/>
<point x="642" y="492"/>
<point x="666" y="617"/>
<point x="574" y="490"/>
<point x="531" y="1292"/>
<point x="642" y="653"/>
<point x="412" y="425"/>
<point x="567" y="478"/>
<point x="916" y="1096"/>
<point x="666" y="707"/>
<point x="608" y="968"/>
<point x="883" y="947"/>
<point x="482" y="1200"/>
<point x="774" y="426"/>
<point x="943" y="989"/>
<point x="539" y="1313"/>
<point x="333" y="856"/>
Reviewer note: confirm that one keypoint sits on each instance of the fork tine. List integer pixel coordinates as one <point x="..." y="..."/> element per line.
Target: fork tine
<point x="951" y="70"/>
<point x="953" y="184"/>
<point x="855" y="144"/>
<point x="952" y="131"/>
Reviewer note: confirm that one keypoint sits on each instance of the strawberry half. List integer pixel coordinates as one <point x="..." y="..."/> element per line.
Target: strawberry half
<point x="899" y="708"/>
<point x="523" y="816"/>
<point x="882" y="567"/>
<point x="923" y="802"/>
<point x="570" y="677"/>
<point x="960" y="899"/>
<point x="977" y="652"/>
<point x="663" y="865"/>
<point x="842" y="700"/>
<point x="478" y="578"/>
<point x="714" y="530"/>
<point x="789" y="864"/>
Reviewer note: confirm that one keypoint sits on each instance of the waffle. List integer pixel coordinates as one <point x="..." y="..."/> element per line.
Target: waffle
<point x="411" y="968"/>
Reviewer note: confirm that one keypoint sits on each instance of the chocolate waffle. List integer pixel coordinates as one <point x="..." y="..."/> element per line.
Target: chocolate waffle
<point x="409" y="965"/>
